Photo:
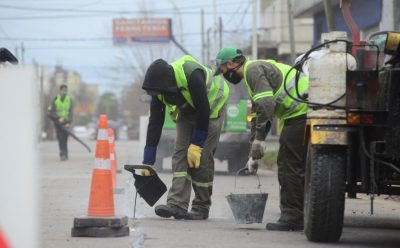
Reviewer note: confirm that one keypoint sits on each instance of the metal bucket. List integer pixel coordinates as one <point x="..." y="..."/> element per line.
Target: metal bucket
<point x="248" y="208"/>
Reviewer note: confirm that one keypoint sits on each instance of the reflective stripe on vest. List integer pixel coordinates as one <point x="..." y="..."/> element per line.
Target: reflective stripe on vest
<point x="287" y="107"/>
<point x="62" y="107"/>
<point x="217" y="88"/>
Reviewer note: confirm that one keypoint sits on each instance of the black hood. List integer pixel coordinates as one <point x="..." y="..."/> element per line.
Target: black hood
<point x="160" y="78"/>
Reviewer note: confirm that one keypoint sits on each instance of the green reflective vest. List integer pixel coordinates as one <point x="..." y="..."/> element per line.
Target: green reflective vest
<point x="172" y="109"/>
<point x="217" y="88"/>
<point x="286" y="106"/>
<point x="62" y="107"/>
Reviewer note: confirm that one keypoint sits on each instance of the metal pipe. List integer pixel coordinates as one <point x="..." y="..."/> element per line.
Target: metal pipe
<point x="202" y="37"/>
<point x="291" y="32"/>
<point x="329" y="15"/>
<point x="208" y="45"/>
<point x="254" y="32"/>
<point x="220" y="28"/>
<point x="355" y="30"/>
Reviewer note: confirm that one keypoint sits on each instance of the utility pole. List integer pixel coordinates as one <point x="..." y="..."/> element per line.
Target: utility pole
<point x="16" y="52"/>
<point x="203" y="56"/>
<point x="254" y="31"/>
<point x="329" y="15"/>
<point x="291" y="31"/>
<point x="215" y="27"/>
<point x="220" y="33"/>
<point x="42" y="98"/>
<point x="22" y="54"/>
<point x="180" y="20"/>
<point x="208" y="45"/>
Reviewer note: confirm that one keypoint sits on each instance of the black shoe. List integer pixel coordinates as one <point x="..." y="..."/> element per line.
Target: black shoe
<point x="63" y="158"/>
<point x="284" y="226"/>
<point x="170" y="210"/>
<point x="196" y="214"/>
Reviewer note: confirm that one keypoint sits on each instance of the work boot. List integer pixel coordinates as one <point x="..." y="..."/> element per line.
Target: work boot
<point x="196" y="214"/>
<point x="170" y="210"/>
<point x="284" y="226"/>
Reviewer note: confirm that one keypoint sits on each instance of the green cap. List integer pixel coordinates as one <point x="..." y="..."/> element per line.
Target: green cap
<point x="224" y="55"/>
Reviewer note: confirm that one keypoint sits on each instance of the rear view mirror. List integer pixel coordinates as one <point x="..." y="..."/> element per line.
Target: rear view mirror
<point x="7" y="56"/>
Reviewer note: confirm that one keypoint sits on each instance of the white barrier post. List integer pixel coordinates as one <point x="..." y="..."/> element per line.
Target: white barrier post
<point x="19" y="109"/>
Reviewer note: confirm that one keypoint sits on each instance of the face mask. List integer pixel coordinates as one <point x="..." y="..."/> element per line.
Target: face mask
<point x="232" y="76"/>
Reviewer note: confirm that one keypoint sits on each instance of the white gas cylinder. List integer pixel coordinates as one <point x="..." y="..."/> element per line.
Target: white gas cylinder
<point x="327" y="77"/>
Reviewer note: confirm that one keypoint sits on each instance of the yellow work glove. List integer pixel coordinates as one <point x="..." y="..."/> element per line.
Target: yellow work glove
<point x="145" y="172"/>
<point x="193" y="156"/>
<point x="61" y="120"/>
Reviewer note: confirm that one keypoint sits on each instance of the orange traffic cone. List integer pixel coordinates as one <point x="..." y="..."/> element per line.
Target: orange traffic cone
<point x="101" y="220"/>
<point x="3" y="242"/>
<point x="101" y="202"/>
<point x="113" y="156"/>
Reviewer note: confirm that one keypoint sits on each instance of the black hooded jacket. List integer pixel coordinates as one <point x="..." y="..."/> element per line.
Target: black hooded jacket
<point x="160" y="78"/>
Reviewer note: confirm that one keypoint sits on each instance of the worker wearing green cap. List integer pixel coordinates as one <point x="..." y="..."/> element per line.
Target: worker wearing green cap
<point x="264" y="83"/>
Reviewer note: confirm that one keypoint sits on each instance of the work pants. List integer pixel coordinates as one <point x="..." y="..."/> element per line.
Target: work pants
<point x="201" y="179"/>
<point x="62" y="138"/>
<point x="291" y="169"/>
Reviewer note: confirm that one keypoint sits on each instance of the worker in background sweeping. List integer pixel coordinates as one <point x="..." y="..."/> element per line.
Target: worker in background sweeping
<point x="196" y="100"/>
<point x="264" y="83"/>
<point x="61" y="109"/>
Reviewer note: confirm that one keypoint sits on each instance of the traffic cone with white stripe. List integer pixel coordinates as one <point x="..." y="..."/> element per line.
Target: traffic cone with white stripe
<point x="113" y="156"/>
<point x="101" y="202"/>
<point x="101" y="220"/>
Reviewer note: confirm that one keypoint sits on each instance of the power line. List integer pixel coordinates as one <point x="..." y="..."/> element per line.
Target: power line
<point x="88" y="66"/>
<point x="111" y="38"/>
<point x="7" y="6"/>
<point x="85" y="47"/>
<point x="57" y="39"/>
<point x="45" y="17"/>
<point x="50" y="17"/>
<point x="233" y="15"/>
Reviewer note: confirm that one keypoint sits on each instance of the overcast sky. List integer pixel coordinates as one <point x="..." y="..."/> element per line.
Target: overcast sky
<point x="77" y="34"/>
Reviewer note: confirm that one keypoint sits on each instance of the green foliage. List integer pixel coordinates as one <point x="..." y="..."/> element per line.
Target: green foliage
<point x="108" y="104"/>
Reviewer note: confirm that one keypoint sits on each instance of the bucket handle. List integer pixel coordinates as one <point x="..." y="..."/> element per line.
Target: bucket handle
<point x="246" y="169"/>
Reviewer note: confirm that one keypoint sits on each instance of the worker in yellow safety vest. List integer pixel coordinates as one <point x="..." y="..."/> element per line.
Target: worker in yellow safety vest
<point x="196" y="100"/>
<point x="61" y="108"/>
<point x="264" y="80"/>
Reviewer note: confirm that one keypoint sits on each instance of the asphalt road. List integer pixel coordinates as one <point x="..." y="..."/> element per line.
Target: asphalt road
<point x="65" y="192"/>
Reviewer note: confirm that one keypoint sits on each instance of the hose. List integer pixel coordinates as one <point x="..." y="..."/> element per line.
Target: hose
<point x="298" y="67"/>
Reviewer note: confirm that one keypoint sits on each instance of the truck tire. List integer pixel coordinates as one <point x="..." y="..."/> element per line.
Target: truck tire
<point x="324" y="192"/>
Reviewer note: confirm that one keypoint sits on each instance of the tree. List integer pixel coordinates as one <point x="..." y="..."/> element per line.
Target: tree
<point x="108" y="104"/>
